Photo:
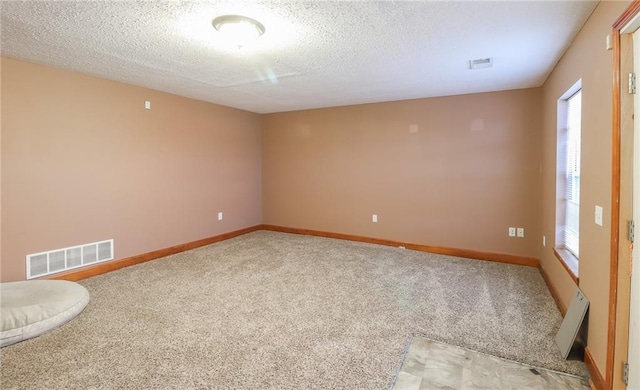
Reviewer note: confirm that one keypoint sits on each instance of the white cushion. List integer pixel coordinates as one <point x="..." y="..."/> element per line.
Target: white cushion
<point x="31" y="308"/>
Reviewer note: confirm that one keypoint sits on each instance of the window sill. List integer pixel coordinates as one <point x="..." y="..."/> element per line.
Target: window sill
<point x="569" y="261"/>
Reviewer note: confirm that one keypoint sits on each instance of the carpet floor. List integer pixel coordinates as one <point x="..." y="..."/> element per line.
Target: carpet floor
<point x="279" y="311"/>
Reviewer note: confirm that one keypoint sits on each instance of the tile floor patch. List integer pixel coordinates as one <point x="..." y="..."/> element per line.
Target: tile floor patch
<point x="433" y="365"/>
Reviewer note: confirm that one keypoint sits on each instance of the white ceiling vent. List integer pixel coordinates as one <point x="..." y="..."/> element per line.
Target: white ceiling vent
<point x="481" y="63"/>
<point x="58" y="260"/>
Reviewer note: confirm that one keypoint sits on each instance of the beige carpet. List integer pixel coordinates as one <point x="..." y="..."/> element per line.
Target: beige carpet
<point x="278" y="311"/>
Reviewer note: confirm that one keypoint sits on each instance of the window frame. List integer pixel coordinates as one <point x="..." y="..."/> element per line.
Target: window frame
<point x="567" y="257"/>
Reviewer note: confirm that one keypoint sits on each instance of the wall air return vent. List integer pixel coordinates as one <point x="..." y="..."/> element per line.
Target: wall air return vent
<point x="481" y="63"/>
<point x="58" y="260"/>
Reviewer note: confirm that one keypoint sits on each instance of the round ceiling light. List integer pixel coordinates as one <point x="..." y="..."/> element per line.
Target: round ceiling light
<point x="240" y="30"/>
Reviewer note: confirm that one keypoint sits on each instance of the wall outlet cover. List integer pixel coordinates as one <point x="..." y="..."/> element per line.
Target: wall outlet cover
<point x="598" y="215"/>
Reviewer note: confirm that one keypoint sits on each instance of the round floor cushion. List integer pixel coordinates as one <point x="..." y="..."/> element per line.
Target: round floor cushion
<point x="31" y="308"/>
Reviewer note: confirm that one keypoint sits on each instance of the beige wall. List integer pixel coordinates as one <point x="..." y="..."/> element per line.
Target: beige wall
<point x="83" y="161"/>
<point x="586" y="59"/>
<point x="470" y="171"/>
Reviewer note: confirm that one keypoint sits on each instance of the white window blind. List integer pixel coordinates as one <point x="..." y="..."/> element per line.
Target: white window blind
<point x="572" y="196"/>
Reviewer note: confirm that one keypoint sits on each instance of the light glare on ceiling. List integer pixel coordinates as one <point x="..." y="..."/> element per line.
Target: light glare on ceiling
<point x="238" y="29"/>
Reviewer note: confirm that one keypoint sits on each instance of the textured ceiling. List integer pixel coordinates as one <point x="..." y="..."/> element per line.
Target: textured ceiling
<point x="313" y="54"/>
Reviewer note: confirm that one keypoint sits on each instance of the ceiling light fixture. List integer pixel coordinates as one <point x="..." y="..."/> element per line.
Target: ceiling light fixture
<point x="238" y="29"/>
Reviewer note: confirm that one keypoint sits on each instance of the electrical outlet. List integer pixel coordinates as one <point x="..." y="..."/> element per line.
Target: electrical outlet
<point x="520" y="232"/>
<point x="147" y="104"/>
<point x="544" y="240"/>
<point x="512" y="232"/>
<point x="220" y="216"/>
<point x="374" y="218"/>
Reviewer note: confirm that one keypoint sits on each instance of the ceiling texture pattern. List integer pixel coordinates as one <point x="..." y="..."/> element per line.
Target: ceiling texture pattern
<point x="313" y="53"/>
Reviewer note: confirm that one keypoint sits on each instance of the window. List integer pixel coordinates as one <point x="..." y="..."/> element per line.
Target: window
<point x="572" y="177"/>
<point x="568" y="177"/>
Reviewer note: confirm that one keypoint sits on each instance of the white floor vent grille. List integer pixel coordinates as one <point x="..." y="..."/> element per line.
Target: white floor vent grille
<point x="58" y="260"/>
